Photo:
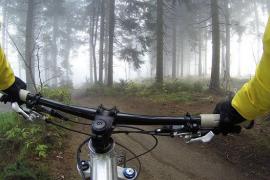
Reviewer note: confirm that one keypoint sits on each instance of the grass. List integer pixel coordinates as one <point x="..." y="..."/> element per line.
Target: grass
<point x="8" y="120"/>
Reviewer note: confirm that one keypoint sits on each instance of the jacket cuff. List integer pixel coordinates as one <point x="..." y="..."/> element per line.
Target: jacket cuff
<point x="243" y="105"/>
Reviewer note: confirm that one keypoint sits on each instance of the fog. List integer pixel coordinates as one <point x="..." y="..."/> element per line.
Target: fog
<point x="59" y="43"/>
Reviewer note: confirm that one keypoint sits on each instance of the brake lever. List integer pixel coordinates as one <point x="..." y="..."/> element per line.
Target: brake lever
<point x="204" y="139"/>
<point x="193" y="138"/>
<point x="15" y="107"/>
<point x="30" y="117"/>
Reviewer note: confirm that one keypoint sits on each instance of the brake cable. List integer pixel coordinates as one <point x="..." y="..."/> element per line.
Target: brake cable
<point x="130" y="127"/>
<point x="58" y="115"/>
<point x="66" y="128"/>
<point x="135" y="156"/>
<point x="148" y="151"/>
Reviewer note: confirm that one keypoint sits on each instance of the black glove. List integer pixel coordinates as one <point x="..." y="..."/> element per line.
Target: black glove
<point x="229" y="118"/>
<point x="13" y="91"/>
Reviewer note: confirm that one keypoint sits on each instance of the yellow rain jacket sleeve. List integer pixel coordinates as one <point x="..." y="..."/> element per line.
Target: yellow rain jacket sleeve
<point x="253" y="99"/>
<point x="7" y="77"/>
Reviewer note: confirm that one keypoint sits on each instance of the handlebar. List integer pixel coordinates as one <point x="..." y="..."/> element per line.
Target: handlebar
<point x="206" y="120"/>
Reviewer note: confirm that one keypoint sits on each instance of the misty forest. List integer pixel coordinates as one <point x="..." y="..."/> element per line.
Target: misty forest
<point x="158" y="57"/>
<point x="132" y="40"/>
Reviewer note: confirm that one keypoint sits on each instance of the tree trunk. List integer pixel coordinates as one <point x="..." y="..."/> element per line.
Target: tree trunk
<point x="182" y="56"/>
<point x="205" y="54"/>
<point x="159" y="35"/>
<point x="111" y="36"/>
<point x="195" y="65"/>
<point x="166" y="71"/>
<point x="94" y="47"/>
<point x="227" y="75"/>
<point x="200" y="55"/>
<point x="153" y="60"/>
<point x="91" y="77"/>
<point x="174" y="45"/>
<point x="188" y="63"/>
<point x="54" y="62"/>
<point x="66" y="64"/>
<point x="106" y="39"/>
<point x="106" y="56"/>
<point x="178" y="59"/>
<point x="222" y="55"/>
<point x="214" y="82"/>
<point x="239" y="53"/>
<point x="46" y="62"/>
<point x="29" y="58"/>
<point x="101" y="41"/>
<point x="93" y="26"/>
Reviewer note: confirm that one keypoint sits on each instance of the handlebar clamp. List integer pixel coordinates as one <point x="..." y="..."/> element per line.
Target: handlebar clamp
<point x="192" y="126"/>
<point x="33" y="100"/>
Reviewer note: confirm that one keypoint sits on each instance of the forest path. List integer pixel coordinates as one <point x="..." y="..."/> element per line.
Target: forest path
<point x="173" y="159"/>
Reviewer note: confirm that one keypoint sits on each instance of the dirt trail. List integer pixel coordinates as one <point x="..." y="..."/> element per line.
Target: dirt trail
<point x="171" y="160"/>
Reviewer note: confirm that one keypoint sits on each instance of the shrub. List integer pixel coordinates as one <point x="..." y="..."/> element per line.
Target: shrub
<point x="41" y="150"/>
<point x="29" y="139"/>
<point x="61" y="94"/>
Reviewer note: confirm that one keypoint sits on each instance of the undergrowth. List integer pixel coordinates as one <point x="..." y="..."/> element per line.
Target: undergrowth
<point x="24" y="171"/>
<point x="21" y="143"/>
<point x="174" y="90"/>
<point x="61" y="94"/>
<point x="25" y="146"/>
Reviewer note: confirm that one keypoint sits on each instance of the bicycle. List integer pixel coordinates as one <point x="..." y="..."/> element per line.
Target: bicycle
<point x="103" y="162"/>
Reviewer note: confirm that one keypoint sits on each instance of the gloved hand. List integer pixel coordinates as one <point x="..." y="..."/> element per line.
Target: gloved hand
<point x="229" y="118"/>
<point x="13" y="91"/>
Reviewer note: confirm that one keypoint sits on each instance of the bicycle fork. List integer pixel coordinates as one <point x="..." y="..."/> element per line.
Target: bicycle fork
<point x="104" y="166"/>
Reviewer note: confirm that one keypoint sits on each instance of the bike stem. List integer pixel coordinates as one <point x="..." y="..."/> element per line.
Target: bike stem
<point x="102" y="128"/>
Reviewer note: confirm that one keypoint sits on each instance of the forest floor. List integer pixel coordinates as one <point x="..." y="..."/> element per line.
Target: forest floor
<point x="226" y="157"/>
